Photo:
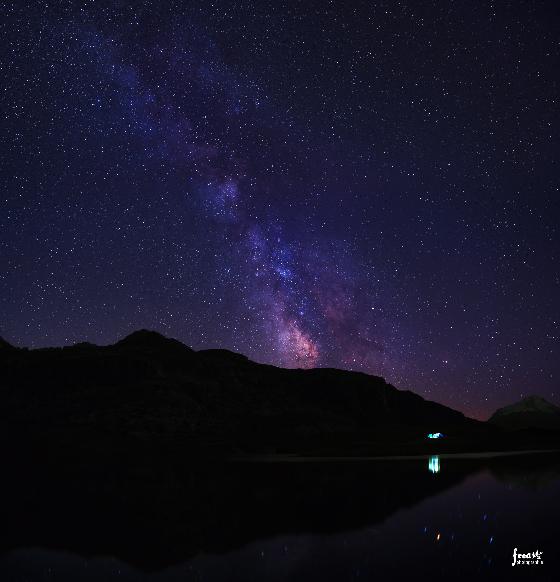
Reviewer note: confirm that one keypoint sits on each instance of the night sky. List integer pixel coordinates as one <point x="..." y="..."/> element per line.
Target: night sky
<point x="366" y="185"/>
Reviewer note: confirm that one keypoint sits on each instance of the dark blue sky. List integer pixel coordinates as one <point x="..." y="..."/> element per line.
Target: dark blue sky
<point x="366" y="185"/>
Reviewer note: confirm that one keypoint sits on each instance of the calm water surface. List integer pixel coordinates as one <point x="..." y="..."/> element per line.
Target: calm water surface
<point x="463" y="528"/>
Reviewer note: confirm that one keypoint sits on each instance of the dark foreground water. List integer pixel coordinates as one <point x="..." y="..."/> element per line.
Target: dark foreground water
<point x="432" y="519"/>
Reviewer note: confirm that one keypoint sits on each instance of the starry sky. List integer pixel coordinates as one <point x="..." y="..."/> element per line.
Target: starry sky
<point x="365" y="185"/>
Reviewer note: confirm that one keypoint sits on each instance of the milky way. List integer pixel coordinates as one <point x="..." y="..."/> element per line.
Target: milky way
<point x="370" y="187"/>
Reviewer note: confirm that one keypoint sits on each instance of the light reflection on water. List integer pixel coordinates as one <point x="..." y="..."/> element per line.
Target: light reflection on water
<point x="461" y="528"/>
<point x="433" y="464"/>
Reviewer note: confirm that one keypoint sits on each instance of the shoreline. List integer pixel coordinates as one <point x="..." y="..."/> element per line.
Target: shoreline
<point x="301" y="459"/>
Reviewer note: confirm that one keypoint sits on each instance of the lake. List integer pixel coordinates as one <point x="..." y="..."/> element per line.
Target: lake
<point x="428" y="518"/>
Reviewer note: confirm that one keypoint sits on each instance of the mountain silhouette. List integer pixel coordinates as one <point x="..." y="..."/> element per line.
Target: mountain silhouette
<point x="149" y="390"/>
<point x="531" y="412"/>
<point x="148" y="339"/>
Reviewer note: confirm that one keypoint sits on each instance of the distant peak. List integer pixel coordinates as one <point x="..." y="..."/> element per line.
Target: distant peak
<point x="142" y="335"/>
<point x="149" y="339"/>
<point x="533" y="399"/>
<point x="537" y="402"/>
<point x="528" y="404"/>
